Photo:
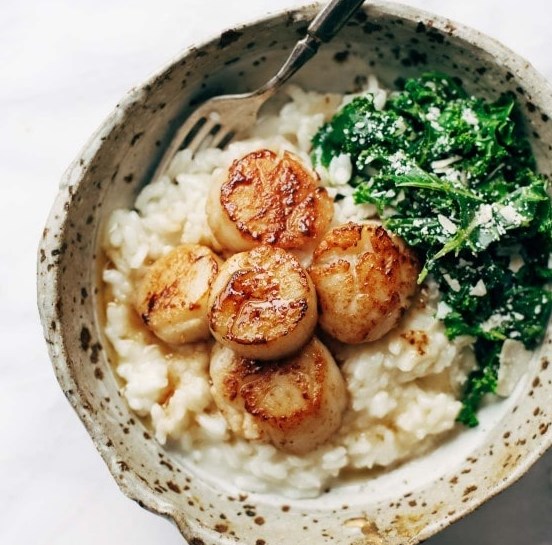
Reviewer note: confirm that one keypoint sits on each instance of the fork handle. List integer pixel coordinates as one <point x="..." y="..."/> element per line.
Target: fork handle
<point x="332" y="17"/>
<point x="323" y="28"/>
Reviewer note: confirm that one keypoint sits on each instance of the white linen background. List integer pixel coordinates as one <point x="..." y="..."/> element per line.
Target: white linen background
<point x="64" y="64"/>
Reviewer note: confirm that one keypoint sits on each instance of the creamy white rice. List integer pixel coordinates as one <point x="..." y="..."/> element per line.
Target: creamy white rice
<point x="403" y="388"/>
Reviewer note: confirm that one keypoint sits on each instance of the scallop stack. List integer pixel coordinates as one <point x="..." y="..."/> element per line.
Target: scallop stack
<point x="272" y="378"/>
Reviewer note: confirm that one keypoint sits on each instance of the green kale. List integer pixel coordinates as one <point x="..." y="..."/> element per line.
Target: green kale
<point x="455" y="177"/>
<point x="480" y="382"/>
<point x="358" y="129"/>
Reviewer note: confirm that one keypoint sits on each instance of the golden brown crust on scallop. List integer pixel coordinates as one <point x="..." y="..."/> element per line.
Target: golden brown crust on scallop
<point x="254" y="382"/>
<point x="252" y="306"/>
<point x="263" y="304"/>
<point x="271" y="200"/>
<point x="172" y="296"/>
<point x="296" y="403"/>
<point x="365" y="280"/>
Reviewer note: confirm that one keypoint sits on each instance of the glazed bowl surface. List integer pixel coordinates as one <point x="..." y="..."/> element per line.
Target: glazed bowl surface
<point x="401" y="506"/>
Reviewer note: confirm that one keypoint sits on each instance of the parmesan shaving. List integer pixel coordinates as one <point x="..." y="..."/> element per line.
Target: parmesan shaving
<point x="514" y="358"/>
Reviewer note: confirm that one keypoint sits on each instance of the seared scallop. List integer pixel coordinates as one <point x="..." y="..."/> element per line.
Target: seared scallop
<point x="365" y="279"/>
<point x="295" y="403"/>
<point x="172" y="296"/>
<point x="262" y="304"/>
<point x="264" y="198"/>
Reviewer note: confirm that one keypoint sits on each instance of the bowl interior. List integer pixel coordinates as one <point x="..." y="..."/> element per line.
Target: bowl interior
<point x="405" y="505"/>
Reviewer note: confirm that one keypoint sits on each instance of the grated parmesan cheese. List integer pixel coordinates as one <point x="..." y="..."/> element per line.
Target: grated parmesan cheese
<point x="433" y="113"/>
<point x="447" y="224"/>
<point x="516" y="263"/>
<point x="452" y="282"/>
<point x="479" y="290"/>
<point x="470" y="117"/>
<point x="484" y="214"/>
<point x="510" y="214"/>
<point x="444" y="163"/>
<point x="443" y="310"/>
<point x="492" y="322"/>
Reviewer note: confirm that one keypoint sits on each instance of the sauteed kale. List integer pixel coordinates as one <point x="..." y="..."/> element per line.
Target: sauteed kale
<point x="455" y="177"/>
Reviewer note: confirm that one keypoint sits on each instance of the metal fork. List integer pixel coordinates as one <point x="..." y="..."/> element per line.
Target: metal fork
<point x="220" y="118"/>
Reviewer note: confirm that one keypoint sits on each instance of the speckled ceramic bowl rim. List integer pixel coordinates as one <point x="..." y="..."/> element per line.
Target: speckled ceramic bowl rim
<point x="48" y="285"/>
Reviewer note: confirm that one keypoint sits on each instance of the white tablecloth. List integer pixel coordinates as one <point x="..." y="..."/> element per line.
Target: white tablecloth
<point x="64" y="64"/>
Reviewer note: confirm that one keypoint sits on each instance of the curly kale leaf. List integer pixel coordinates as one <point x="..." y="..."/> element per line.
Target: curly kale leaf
<point x="480" y="382"/>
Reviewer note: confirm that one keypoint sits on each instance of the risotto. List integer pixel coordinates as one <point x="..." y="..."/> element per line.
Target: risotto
<point x="403" y="389"/>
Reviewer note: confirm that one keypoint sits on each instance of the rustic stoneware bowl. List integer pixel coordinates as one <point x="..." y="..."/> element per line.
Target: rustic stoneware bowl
<point x="405" y="505"/>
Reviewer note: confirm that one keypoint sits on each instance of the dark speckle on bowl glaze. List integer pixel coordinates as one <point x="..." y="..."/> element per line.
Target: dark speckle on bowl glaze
<point x="228" y="37"/>
<point x="393" y="41"/>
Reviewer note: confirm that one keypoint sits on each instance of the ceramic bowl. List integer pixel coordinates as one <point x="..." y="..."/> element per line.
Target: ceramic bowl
<point x="405" y="505"/>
